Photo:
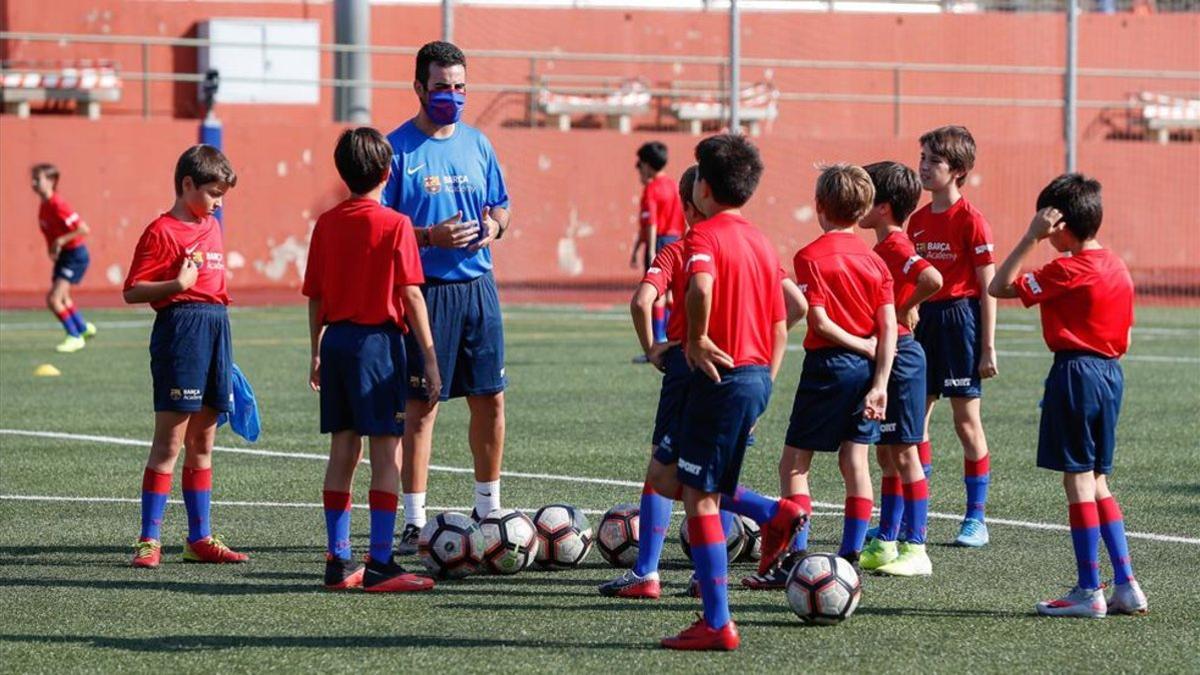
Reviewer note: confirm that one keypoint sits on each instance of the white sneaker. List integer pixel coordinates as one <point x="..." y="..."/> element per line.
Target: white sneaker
<point x="1127" y="598"/>
<point x="1087" y="603"/>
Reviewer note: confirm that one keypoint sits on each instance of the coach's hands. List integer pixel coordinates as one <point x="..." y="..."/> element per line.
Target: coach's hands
<point x="490" y="228"/>
<point x="314" y="374"/>
<point x="453" y="232"/>
<point x="656" y="352"/>
<point x="703" y="354"/>
<point x="875" y="404"/>
<point x="987" y="363"/>
<point x="189" y="271"/>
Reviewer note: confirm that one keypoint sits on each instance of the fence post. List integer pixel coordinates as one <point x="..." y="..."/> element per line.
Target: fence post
<point x="533" y="85"/>
<point x="735" y="63"/>
<point x="145" y="80"/>
<point x="1071" y="89"/>
<point x="896" y="102"/>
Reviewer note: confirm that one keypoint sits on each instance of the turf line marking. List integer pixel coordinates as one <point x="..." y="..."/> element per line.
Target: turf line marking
<point x="1048" y="356"/>
<point x="111" y="440"/>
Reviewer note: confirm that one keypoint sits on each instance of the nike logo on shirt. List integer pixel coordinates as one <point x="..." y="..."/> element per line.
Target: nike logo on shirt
<point x="415" y="169"/>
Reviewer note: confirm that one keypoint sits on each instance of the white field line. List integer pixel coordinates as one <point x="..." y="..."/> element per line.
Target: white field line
<point x="1032" y="525"/>
<point x="1048" y="356"/>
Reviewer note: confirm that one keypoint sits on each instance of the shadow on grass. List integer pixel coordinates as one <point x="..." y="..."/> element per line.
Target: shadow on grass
<point x="148" y="584"/>
<point x="197" y="643"/>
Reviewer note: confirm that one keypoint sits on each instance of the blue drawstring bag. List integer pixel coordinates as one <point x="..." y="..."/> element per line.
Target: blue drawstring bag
<point x="243" y="419"/>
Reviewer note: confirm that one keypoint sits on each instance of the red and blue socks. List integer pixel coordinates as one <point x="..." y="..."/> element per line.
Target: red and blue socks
<point x="976" y="476"/>
<point x="854" y="525"/>
<point x="658" y="321"/>
<point x="747" y="502"/>
<point x="1085" y="536"/>
<point x="925" y="456"/>
<point x="916" y="510"/>
<point x="891" y="508"/>
<point x="1112" y="529"/>
<point x="77" y="319"/>
<point x="653" y="521"/>
<point x="156" y="488"/>
<point x="383" y="524"/>
<point x="800" y="541"/>
<point x="197" y="499"/>
<point x="337" y="523"/>
<point x="712" y="567"/>
<point x="65" y="317"/>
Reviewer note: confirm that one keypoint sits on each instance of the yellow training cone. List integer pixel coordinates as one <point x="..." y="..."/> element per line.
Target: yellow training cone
<point x="46" y="370"/>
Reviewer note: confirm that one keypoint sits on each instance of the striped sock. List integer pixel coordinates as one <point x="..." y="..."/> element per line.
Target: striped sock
<point x="653" y="520"/>
<point x="197" y="499"/>
<point x="1085" y="535"/>
<point x="1112" y="529"/>
<point x="659" y="322"/>
<point x="383" y="524"/>
<point x="891" y="508"/>
<point x="925" y="453"/>
<point x="854" y="525"/>
<point x="64" y="317"/>
<point x="976" y="476"/>
<point x="747" y="502"/>
<point x="916" y="510"/>
<point x="800" y="541"/>
<point x="156" y="487"/>
<point x="337" y="523"/>
<point x="712" y="567"/>
<point x="76" y="319"/>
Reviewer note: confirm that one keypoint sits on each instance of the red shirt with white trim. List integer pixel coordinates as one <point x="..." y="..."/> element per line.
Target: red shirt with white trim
<point x="666" y="274"/>
<point x="360" y="256"/>
<point x="1086" y="302"/>
<point x="839" y="272"/>
<point x="661" y="208"/>
<point x="955" y="241"/>
<point x="747" y="298"/>
<point x="160" y="251"/>
<point x="900" y="256"/>
<point x="56" y="218"/>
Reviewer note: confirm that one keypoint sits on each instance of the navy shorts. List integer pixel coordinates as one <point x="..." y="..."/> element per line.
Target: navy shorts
<point x="664" y="240"/>
<point x="468" y="334"/>
<point x="950" y="332"/>
<point x="828" y="409"/>
<point x="714" y="430"/>
<point x="671" y="399"/>
<point x="1079" y="413"/>
<point x="191" y="358"/>
<point x="71" y="265"/>
<point x="363" y="385"/>
<point x="905" y="423"/>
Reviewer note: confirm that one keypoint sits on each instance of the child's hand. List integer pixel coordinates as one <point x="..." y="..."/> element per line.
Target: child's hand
<point x="703" y="354"/>
<point x="433" y="381"/>
<point x="54" y="250"/>
<point x="188" y="273"/>
<point x="875" y="404"/>
<point x="656" y="353"/>
<point x="911" y="318"/>
<point x="314" y="375"/>
<point x="987" y="364"/>
<point x="1046" y="222"/>
<point x="869" y="346"/>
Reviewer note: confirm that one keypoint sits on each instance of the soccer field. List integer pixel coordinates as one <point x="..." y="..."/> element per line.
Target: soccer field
<point x="579" y="415"/>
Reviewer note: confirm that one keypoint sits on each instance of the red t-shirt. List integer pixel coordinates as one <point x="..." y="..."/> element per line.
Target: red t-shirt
<point x="56" y="218"/>
<point x="666" y="274"/>
<point x="747" y="298"/>
<point x="661" y="208"/>
<point x="841" y="273"/>
<point x="360" y="255"/>
<point x="1086" y="302"/>
<point x="955" y="241"/>
<point x="905" y="265"/>
<point x="160" y="252"/>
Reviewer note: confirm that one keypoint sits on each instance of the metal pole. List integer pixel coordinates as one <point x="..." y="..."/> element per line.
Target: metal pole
<point x="145" y="81"/>
<point x="1072" y="89"/>
<point x="448" y="20"/>
<point x="352" y="26"/>
<point x="735" y="64"/>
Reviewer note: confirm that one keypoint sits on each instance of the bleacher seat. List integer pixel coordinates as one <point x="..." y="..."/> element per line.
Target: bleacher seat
<point x="87" y="83"/>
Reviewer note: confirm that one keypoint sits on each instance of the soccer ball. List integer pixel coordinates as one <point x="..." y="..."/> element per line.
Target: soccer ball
<point x="451" y="546"/>
<point x="564" y="536"/>
<point x="617" y="537"/>
<point x="823" y="589"/>
<point x="752" y="551"/>
<point x="510" y="541"/>
<point x="735" y="538"/>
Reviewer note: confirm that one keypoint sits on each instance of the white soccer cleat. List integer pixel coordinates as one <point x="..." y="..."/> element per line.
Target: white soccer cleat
<point x="1128" y="598"/>
<point x="1085" y="603"/>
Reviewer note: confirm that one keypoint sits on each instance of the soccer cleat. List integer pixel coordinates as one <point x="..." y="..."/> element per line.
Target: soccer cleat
<point x="972" y="533"/>
<point x="90" y="330"/>
<point x="392" y="578"/>
<point x="211" y="550"/>
<point x="779" y="532"/>
<point x="1086" y="603"/>
<point x="640" y="358"/>
<point x="699" y="637"/>
<point x="342" y="573"/>
<point x="776" y="577"/>
<point x="407" y="541"/>
<point x="147" y="553"/>
<point x="873" y="533"/>
<point x="70" y="345"/>
<point x="630" y="585"/>
<point x="913" y="561"/>
<point x="877" y="554"/>
<point x="1128" y="598"/>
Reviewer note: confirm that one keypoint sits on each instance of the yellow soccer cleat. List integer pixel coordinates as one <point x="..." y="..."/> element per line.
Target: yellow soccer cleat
<point x="72" y="344"/>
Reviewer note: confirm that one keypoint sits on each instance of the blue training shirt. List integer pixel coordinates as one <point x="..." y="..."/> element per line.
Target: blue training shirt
<point x="432" y="179"/>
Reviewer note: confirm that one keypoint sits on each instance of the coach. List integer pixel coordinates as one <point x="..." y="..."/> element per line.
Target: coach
<point x="446" y="179"/>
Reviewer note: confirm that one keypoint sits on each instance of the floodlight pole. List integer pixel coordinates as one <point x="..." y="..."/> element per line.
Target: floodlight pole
<point x="1071" y="85"/>
<point x="735" y="64"/>
<point x="352" y="27"/>
<point x="448" y="20"/>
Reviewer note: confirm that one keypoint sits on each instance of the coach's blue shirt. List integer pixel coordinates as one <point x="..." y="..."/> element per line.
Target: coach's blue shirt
<point x="432" y="179"/>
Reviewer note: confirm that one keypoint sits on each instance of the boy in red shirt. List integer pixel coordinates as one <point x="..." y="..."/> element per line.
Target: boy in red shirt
<point x="660" y="222"/>
<point x="957" y="326"/>
<point x="64" y="231"/>
<point x="363" y="283"/>
<point x="1086" y="300"/>
<point x="179" y="269"/>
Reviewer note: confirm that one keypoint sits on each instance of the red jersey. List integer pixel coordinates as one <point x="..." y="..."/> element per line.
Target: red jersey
<point x="955" y="241"/>
<point x="360" y="256"/>
<point x="56" y="218"/>
<point x="900" y="256"/>
<point x="160" y="252"/>
<point x="666" y="274"/>
<point x="661" y="208"/>
<point x="841" y="273"/>
<point x="1086" y="301"/>
<point x="747" y="298"/>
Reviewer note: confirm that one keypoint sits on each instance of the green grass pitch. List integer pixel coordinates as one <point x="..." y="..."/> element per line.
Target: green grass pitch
<point x="577" y="409"/>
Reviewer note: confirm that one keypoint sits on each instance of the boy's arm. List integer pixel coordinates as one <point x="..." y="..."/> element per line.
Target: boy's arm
<point x="779" y="349"/>
<point x="418" y="321"/>
<point x="987" y="359"/>
<point x="633" y="256"/>
<point x="797" y="305"/>
<point x="81" y="229"/>
<point x="885" y="352"/>
<point x="929" y="281"/>
<point x="316" y="330"/>
<point x="1044" y="223"/>
<point x="819" y="321"/>
<point x="702" y="352"/>
<point x="153" y="291"/>
<point x="641" y="308"/>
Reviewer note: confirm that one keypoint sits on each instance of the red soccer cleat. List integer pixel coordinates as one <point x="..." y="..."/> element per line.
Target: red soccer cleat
<point x="778" y="532"/>
<point x="342" y="574"/>
<point x="630" y="585"/>
<point x="211" y="550"/>
<point x="392" y="578"/>
<point x="147" y="553"/>
<point x="699" y="637"/>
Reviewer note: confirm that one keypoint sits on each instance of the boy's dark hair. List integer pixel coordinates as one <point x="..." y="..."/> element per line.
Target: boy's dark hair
<point x="897" y="186"/>
<point x="45" y="169"/>
<point x="687" y="181"/>
<point x="203" y="164"/>
<point x="954" y="144"/>
<point x="362" y="157"/>
<point x="844" y="193"/>
<point x="442" y="53"/>
<point x="731" y="166"/>
<point x="653" y="154"/>
<point x="1077" y="197"/>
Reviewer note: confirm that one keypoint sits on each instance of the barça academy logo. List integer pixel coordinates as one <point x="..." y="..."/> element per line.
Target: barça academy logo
<point x="176" y="394"/>
<point x="433" y="184"/>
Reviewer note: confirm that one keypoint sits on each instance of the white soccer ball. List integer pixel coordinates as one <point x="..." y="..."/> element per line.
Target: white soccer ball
<point x="564" y="536"/>
<point x="752" y="551"/>
<point x="510" y="541"/>
<point x="617" y="536"/>
<point x="823" y="589"/>
<point x="451" y="545"/>
<point x="735" y="539"/>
